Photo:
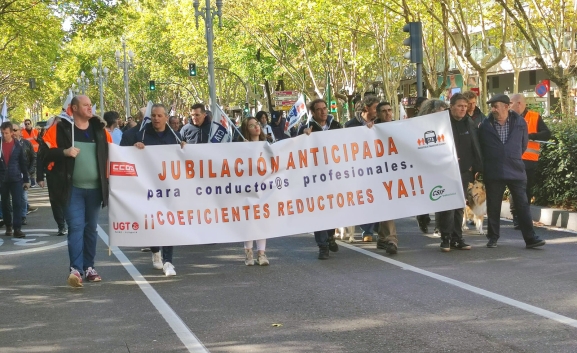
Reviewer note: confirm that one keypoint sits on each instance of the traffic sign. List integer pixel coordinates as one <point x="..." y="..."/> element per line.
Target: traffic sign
<point x="541" y="89"/>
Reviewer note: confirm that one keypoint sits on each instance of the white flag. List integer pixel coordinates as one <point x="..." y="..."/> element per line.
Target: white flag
<point x="221" y="130"/>
<point x="147" y="115"/>
<point x="66" y="109"/>
<point x="402" y="112"/>
<point x="94" y="109"/>
<point x="4" y="113"/>
<point x="295" y="114"/>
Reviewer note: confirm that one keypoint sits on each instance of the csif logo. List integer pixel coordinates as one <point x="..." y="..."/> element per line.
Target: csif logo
<point x="122" y="169"/>
<point x="436" y="193"/>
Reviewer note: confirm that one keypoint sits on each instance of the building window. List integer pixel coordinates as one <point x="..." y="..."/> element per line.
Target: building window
<point x="495" y="81"/>
<point x="533" y="77"/>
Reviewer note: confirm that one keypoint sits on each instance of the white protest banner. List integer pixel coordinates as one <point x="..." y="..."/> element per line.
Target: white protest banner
<point x="219" y="193"/>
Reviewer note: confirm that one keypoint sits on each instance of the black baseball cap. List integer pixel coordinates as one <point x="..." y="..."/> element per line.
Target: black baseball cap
<point x="503" y="98"/>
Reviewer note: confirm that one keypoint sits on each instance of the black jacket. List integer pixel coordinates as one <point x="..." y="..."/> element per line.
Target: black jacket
<point x="58" y="138"/>
<point x="17" y="168"/>
<point x="30" y="155"/>
<point x="197" y="134"/>
<point x="149" y="137"/>
<point x="477" y="116"/>
<point x="129" y="136"/>
<point x="333" y="124"/>
<point x="477" y="154"/>
<point x="502" y="161"/>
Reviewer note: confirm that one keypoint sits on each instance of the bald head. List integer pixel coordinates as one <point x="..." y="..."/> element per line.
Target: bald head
<point x="81" y="107"/>
<point x="518" y="104"/>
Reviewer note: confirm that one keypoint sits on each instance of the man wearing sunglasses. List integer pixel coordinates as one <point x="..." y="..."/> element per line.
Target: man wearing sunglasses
<point x="504" y="138"/>
<point x="31" y="134"/>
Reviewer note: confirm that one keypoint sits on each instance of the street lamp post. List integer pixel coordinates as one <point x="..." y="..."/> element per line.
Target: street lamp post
<point x="101" y="75"/>
<point x="125" y="64"/>
<point x="82" y="83"/>
<point x="208" y="14"/>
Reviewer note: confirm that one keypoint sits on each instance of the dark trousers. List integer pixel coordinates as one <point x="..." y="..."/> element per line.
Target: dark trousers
<point x="12" y="216"/>
<point x="495" y="190"/>
<point x="451" y="221"/>
<point x="57" y="207"/>
<point x="530" y="169"/>
<point x="166" y="252"/>
<point x="322" y="236"/>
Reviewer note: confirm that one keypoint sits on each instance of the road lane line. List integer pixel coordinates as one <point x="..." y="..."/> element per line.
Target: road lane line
<point x="188" y="338"/>
<point x="500" y="298"/>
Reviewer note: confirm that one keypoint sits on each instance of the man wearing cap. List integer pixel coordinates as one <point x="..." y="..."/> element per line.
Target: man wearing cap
<point x="503" y="137"/>
<point x="538" y="131"/>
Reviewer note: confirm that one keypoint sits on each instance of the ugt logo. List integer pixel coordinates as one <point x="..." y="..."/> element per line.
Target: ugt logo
<point x="430" y="137"/>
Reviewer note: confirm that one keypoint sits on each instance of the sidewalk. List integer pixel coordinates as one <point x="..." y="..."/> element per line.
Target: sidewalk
<point x="548" y="216"/>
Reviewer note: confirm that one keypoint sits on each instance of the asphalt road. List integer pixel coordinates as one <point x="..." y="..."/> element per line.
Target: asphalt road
<point x="508" y="299"/>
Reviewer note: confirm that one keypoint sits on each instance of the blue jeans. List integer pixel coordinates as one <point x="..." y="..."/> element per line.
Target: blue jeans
<point x="14" y="189"/>
<point x="82" y="218"/>
<point x="368" y="229"/>
<point x="24" y="203"/>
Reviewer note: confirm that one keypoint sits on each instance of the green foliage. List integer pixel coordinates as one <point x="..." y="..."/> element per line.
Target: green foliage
<point x="557" y="172"/>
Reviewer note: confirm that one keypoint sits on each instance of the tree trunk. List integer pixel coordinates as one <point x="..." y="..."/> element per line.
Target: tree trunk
<point x="516" y="73"/>
<point x="483" y="91"/>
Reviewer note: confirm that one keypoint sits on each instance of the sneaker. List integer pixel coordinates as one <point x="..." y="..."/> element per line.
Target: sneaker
<point x="32" y="209"/>
<point x="168" y="269"/>
<point x="62" y="232"/>
<point x="391" y="249"/>
<point x="19" y="234"/>
<point x="492" y="243"/>
<point x="367" y="238"/>
<point x="35" y="186"/>
<point x="9" y="231"/>
<point x="535" y="243"/>
<point x="461" y="245"/>
<point x="423" y="226"/>
<point x="74" y="278"/>
<point x="381" y="244"/>
<point x="91" y="275"/>
<point x="437" y="233"/>
<point x="24" y="221"/>
<point x="263" y="260"/>
<point x="157" y="261"/>
<point x="323" y="252"/>
<point x="333" y="246"/>
<point x="445" y="246"/>
<point x="248" y="257"/>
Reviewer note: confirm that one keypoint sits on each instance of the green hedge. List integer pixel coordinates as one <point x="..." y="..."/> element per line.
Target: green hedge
<point x="557" y="173"/>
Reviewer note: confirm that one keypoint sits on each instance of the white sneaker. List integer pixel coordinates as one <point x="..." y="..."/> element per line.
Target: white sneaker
<point x="262" y="260"/>
<point x="168" y="269"/>
<point x="156" y="260"/>
<point x="249" y="259"/>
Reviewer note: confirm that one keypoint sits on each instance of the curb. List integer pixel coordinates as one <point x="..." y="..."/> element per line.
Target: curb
<point x="553" y="217"/>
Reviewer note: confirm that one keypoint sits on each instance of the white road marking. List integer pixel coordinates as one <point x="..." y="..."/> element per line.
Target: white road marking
<point x="32" y="250"/>
<point x="494" y="296"/>
<point x="188" y="338"/>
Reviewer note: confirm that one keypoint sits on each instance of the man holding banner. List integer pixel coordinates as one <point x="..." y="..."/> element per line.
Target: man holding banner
<point x="157" y="133"/>
<point x="78" y="151"/>
<point x="325" y="238"/>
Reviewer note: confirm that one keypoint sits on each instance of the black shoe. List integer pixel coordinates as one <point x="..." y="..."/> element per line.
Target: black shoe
<point x="492" y="243"/>
<point x="19" y="234"/>
<point x="391" y="248"/>
<point x="62" y="232"/>
<point x="381" y="244"/>
<point x="460" y="245"/>
<point x="516" y="225"/>
<point x="333" y="246"/>
<point x="423" y="227"/>
<point x="535" y="243"/>
<point x="323" y="252"/>
<point x="32" y="209"/>
<point x="9" y="231"/>
<point x="445" y="246"/>
<point x="1" y="223"/>
<point x="24" y="221"/>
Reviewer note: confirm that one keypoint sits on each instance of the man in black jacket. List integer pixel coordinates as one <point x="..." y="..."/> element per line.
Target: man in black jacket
<point x="473" y="110"/>
<point x="198" y="130"/>
<point x="78" y="157"/>
<point x="504" y="137"/>
<point x="31" y="161"/>
<point x="321" y="121"/>
<point x="13" y="180"/>
<point x="470" y="163"/>
<point x="155" y="133"/>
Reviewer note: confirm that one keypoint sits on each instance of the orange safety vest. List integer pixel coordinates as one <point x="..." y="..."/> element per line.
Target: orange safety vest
<point x="533" y="148"/>
<point x="32" y="136"/>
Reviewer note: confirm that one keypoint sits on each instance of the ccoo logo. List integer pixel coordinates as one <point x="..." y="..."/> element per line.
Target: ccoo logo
<point x="122" y="169"/>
